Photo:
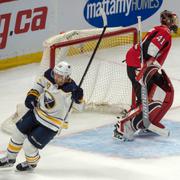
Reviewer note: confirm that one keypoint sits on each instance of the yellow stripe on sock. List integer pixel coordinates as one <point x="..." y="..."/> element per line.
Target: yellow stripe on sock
<point x="14" y="148"/>
<point x="33" y="160"/>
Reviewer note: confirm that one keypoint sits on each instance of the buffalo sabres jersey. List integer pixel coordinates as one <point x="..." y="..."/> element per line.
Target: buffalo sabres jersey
<point x="53" y="102"/>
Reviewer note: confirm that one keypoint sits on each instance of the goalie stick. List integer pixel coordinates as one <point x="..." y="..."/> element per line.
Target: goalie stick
<point x="104" y="18"/>
<point x="144" y="95"/>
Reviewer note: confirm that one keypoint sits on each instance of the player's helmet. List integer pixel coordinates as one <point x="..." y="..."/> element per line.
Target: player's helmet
<point x="169" y="19"/>
<point x="63" y="69"/>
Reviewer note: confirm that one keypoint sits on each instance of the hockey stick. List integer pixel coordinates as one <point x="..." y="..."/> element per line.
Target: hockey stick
<point x="144" y="99"/>
<point x="104" y="18"/>
<point x="144" y="95"/>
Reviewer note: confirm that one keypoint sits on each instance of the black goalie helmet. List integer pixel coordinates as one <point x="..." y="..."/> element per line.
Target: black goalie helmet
<point x="169" y="19"/>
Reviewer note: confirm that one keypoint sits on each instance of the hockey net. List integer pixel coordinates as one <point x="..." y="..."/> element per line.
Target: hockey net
<point x="106" y="85"/>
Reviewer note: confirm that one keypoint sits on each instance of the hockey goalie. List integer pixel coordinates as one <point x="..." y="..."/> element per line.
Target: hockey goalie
<point x="147" y="57"/>
<point x="160" y="98"/>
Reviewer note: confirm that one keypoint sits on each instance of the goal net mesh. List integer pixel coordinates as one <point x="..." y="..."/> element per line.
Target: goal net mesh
<point x="106" y="85"/>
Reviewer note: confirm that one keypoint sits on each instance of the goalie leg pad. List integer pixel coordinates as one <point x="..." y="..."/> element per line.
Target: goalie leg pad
<point x="167" y="102"/>
<point x="135" y="116"/>
<point x="155" y="108"/>
<point x="149" y="73"/>
<point x="162" y="110"/>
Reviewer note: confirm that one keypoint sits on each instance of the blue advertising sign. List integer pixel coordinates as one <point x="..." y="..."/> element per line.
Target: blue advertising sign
<point x="120" y="12"/>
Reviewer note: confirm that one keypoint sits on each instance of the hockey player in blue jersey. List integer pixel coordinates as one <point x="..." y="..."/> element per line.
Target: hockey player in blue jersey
<point x="48" y="102"/>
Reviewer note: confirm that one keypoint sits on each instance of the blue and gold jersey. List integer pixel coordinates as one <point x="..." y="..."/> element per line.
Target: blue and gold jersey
<point x="53" y="101"/>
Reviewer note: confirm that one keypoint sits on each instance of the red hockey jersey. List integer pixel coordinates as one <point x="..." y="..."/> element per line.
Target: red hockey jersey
<point x="160" y="37"/>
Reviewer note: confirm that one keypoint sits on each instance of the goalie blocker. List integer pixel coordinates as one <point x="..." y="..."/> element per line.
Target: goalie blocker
<point x="126" y="127"/>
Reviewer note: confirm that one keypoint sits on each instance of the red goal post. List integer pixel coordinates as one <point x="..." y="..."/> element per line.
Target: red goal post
<point x="89" y="38"/>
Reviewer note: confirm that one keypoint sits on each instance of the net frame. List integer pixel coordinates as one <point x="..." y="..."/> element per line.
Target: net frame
<point x="112" y="32"/>
<point x="89" y="38"/>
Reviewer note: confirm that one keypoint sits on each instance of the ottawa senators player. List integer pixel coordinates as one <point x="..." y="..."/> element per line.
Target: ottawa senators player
<point x="156" y="45"/>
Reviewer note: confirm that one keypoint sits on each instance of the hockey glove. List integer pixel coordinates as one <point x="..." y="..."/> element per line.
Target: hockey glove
<point x="77" y="92"/>
<point x="77" y="95"/>
<point x="32" y="99"/>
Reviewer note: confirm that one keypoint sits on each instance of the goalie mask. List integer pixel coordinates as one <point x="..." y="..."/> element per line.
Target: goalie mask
<point x="63" y="69"/>
<point x="169" y="19"/>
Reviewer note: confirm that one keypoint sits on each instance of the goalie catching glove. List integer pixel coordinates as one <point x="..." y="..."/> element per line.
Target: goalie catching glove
<point x="32" y="99"/>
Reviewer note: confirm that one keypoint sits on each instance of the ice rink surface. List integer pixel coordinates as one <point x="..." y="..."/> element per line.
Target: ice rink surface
<point x="86" y="151"/>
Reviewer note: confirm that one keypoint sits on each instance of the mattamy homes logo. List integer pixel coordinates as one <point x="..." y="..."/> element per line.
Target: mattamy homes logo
<point x="120" y="12"/>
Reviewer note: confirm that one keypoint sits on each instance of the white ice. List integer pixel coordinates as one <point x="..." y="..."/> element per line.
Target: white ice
<point x="58" y="162"/>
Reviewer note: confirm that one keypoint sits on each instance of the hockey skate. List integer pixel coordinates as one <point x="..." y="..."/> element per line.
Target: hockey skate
<point x="5" y="162"/>
<point x="127" y="134"/>
<point x="146" y="132"/>
<point x="24" y="166"/>
<point x="118" y="135"/>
